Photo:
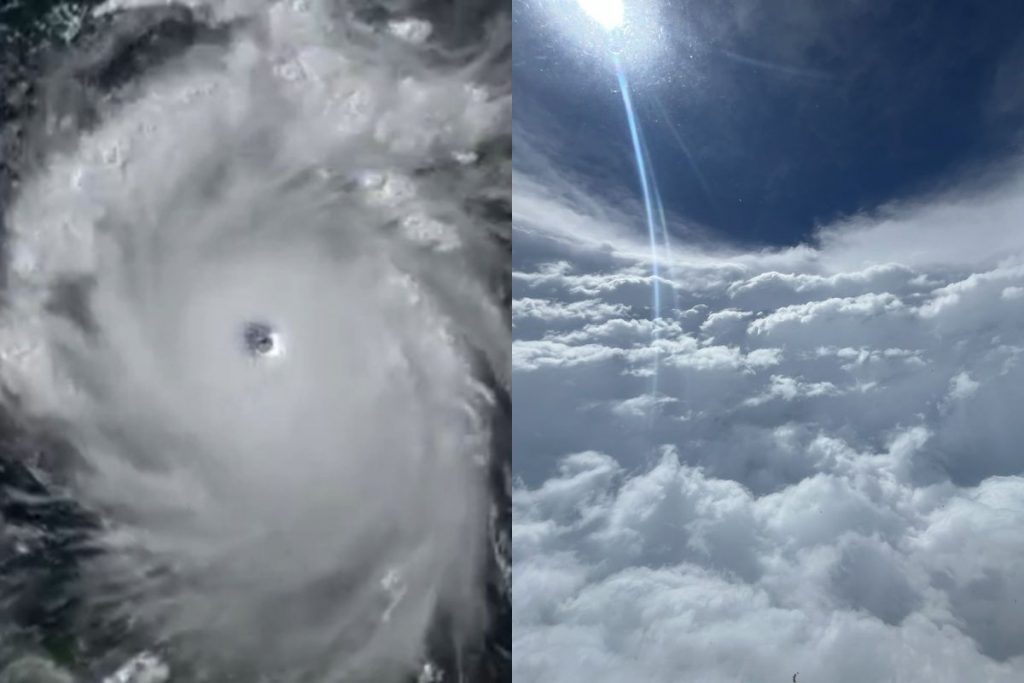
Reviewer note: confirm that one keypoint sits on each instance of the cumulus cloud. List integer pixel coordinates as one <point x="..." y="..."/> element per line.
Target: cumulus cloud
<point x="640" y="406"/>
<point x="548" y="311"/>
<point x="789" y="389"/>
<point x="673" y="574"/>
<point x="810" y="462"/>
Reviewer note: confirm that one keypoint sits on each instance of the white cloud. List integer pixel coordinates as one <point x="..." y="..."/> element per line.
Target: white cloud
<point x="829" y="311"/>
<point x="973" y="226"/>
<point x="675" y="575"/>
<point x="1013" y="293"/>
<point x="843" y="493"/>
<point x="962" y="387"/>
<point x="549" y="311"/>
<point x="536" y="354"/>
<point x="789" y="389"/>
<point x="640" y="406"/>
<point x="725" y="324"/>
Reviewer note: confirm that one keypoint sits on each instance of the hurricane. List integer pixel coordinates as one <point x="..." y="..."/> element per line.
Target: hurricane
<point x="254" y="344"/>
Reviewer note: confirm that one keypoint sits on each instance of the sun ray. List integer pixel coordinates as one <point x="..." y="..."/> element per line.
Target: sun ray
<point x="645" y="188"/>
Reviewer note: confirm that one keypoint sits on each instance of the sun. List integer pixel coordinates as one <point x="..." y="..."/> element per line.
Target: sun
<point x="608" y="13"/>
<point x="602" y="32"/>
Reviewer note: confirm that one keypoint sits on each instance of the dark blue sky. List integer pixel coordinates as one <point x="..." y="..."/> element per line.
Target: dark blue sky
<point x="794" y="112"/>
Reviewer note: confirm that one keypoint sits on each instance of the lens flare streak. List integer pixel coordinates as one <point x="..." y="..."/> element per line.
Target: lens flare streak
<point x="666" y="266"/>
<point x="651" y="200"/>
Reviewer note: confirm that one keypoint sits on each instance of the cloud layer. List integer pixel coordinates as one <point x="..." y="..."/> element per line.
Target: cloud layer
<point x="810" y="463"/>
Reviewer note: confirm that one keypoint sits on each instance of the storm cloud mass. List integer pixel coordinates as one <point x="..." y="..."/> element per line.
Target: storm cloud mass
<point x="828" y="477"/>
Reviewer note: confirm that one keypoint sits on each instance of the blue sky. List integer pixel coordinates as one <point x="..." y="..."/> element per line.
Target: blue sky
<point x="808" y="459"/>
<point x="793" y="114"/>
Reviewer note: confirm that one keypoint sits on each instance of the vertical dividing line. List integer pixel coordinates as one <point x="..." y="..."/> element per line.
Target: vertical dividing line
<point x="641" y="167"/>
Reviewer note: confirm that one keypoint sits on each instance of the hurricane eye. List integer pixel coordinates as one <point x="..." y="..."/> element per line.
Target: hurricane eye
<point x="261" y="340"/>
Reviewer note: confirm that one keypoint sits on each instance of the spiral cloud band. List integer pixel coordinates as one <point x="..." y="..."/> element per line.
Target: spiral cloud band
<point x="258" y="299"/>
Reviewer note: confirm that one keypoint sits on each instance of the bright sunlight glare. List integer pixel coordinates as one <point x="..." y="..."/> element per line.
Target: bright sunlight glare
<point x="608" y="13"/>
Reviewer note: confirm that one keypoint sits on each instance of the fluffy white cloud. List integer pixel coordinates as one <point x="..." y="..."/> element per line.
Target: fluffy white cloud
<point x="548" y="311"/>
<point x="851" y="576"/>
<point x="789" y="389"/>
<point x="640" y="406"/>
<point x="810" y="462"/>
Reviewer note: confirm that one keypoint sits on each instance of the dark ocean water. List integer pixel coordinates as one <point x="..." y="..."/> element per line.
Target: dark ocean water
<point x="39" y="537"/>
